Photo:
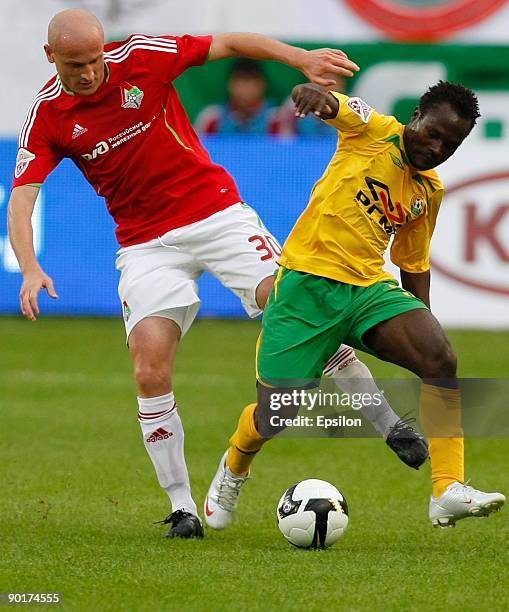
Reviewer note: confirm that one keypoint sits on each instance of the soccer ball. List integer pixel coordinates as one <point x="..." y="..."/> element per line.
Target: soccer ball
<point x="312" y="514"/>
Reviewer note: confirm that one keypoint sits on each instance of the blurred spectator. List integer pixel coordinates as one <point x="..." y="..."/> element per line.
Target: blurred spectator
<point x="247" y="110"/>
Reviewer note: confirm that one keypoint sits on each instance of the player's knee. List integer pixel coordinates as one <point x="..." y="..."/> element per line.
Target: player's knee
<point x="263" y="291"/>
<point x="441" y="363"/>
<point x="151" y="378"/>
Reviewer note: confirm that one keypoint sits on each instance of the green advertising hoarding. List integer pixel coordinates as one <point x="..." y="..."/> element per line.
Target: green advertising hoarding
<point x="483" y="68"/>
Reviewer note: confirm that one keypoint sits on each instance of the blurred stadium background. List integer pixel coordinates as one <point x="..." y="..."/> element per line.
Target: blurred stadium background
<point x="78" y="495"/>
<point x="403" y="46"/>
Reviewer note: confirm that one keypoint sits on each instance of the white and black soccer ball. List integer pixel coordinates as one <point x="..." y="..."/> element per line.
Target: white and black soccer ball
<point x="312" y="514"/>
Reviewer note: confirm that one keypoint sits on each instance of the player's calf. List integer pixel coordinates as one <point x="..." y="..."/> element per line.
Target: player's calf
<point x="353" y="377"/>
<point x="276" y="407"/>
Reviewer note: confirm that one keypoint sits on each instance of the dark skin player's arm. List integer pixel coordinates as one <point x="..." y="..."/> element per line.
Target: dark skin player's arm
<point x="309" y="98"/>
<point x="418" y="284"/>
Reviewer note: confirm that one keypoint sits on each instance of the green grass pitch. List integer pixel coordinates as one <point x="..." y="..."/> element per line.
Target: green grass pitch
<point x="79" y="496"/>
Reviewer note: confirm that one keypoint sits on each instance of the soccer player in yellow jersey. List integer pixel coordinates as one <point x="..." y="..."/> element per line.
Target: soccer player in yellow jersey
<point x="331" y="286"/>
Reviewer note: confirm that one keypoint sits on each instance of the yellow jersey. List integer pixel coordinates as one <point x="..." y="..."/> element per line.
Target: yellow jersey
<point x="368" y="194"/>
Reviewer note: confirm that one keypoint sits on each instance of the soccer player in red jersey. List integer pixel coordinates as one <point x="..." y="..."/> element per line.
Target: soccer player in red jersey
<point x="114" y="111"/>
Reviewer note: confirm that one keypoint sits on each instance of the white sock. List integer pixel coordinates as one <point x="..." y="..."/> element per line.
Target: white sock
<point x="163" y="436"/>
<point x="353" y="376"/>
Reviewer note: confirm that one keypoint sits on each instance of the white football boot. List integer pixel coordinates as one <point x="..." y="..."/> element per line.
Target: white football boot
<point x="223" y="496"/>
<point x="460" y="501"/>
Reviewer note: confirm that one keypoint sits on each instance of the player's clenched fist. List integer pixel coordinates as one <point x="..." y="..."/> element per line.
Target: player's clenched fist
<point x="311" y="98"/>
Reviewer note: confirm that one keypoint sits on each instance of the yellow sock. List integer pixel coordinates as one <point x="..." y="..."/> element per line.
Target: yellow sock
<point x="441" y="421"/>
<point x="446" y="463"/>
<point x="244" y="444"/>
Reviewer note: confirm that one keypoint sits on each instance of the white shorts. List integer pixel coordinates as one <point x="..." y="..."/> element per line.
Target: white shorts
<point x="158" y="277"/>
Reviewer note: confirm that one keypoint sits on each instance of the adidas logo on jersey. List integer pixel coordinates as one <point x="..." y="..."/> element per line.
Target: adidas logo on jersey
<point x="78" y="130"/>
<point x="159" y="434"/>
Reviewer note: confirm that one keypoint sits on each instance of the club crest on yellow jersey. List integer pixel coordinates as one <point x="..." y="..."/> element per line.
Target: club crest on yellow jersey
<point x="417" y="204"/>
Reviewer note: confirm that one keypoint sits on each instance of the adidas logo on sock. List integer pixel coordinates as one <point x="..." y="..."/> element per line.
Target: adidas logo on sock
<point x="78" y="130"/>
<point x="159" y="434"/>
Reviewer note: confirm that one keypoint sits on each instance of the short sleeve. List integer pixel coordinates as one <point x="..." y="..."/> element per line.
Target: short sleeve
<point x="36" y="157"/>
<point x="410" y="250"/>
<point x="170" y="56"/>
<point x="354" y="115"/>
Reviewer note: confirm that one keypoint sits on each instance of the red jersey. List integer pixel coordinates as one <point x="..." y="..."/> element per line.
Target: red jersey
<point x="132" y="139"/>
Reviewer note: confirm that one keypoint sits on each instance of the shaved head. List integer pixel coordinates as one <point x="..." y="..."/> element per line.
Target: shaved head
<point x="74" y="27"/>
<point x="76" y="45"/>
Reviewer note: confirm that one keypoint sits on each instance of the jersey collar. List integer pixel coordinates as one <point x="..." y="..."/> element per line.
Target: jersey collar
<point x="397" y="141"/>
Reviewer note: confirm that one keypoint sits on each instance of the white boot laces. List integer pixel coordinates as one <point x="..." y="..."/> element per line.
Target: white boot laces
<point x="229" y="490"/>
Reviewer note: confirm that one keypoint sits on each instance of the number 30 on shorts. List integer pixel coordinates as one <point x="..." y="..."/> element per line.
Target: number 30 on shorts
<point x="267" y="245"/>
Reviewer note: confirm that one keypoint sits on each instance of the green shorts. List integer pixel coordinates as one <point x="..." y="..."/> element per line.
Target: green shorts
<point x="307" y="317"/>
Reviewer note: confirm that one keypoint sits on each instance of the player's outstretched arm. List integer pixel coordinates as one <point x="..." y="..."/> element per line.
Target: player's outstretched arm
<point x="318" y="65"/>
<point x="310" y="98"/>
<point x="21" y="207"/>
<point x="418" y="284"/>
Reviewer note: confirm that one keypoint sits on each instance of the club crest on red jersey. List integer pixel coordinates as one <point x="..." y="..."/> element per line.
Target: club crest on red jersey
<point x="22" y="160"/>
<point x="132" y="96"/>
